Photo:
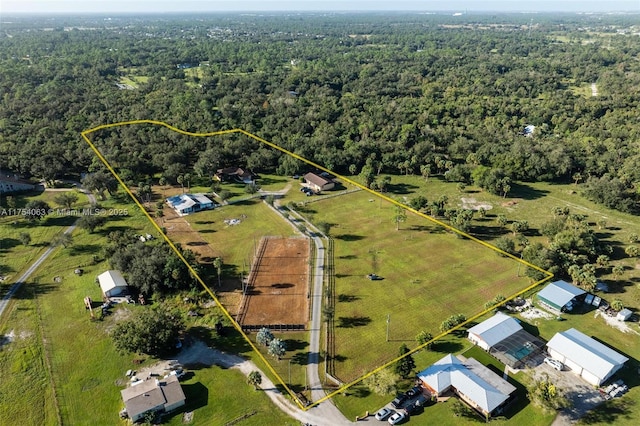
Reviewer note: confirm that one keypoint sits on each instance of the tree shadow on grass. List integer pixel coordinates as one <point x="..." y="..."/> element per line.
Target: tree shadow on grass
<point x="610" y="412"/>
<point x="348" y="298"/>
<point x="295" y="344"/>
<point x="401" y="188"/>
<point x="7" y="244"/>
<point x="301" y="358"/>
<point x="349" y="237"/>
<point x="520" y="190"/>
<point x="78" y="249"/>
<point x="355" y="321"/>
<point x="446" y="346"/>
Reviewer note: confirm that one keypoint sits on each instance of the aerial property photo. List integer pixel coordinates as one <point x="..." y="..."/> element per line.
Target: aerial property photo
<point x="323" y="217"/>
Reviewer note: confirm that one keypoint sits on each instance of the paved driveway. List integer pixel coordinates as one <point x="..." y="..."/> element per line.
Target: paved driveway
<point x="582" y="394"/>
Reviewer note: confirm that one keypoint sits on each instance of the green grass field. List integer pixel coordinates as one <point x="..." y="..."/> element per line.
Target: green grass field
<point x="16" y="257"/>
<point x="428" y="275"/>
<point x="56" y="344"/>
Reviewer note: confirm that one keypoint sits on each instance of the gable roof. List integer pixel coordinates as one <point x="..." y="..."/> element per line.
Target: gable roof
<point x="560" y="293"/>
<point x="474" y="380"/>
<point x="586" y="352"/>
<point x="317" y="179"/>
<point x="111" y="279"/>
<point x="496" y="328"/>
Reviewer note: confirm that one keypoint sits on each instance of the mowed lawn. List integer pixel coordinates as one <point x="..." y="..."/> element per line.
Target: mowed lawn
<point x="235" y="243"/>
<point x="428" y="275"/>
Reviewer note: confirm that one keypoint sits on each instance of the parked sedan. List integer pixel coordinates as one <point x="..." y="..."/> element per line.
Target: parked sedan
<point x="397" y="418"/>
<point x="383" y="413"/>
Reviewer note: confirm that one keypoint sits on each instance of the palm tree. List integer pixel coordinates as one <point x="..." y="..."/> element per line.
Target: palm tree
<point x="255" y="379"/>
<point x="217" y="263"/>
<point x="277" y="348"/>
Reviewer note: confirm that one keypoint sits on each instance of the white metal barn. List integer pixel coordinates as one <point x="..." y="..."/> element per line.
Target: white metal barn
<point x="586" y="357"/>
<point x="494" y="330"/>
<point x="112" y="283"/>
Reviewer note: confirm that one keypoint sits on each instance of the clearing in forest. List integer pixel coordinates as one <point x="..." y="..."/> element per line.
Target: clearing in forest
<point x="428" y="269"/>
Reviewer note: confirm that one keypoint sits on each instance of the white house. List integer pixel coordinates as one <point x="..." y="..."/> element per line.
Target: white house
<point x="112" y="283"/>
<point x="153" y="395"/>
<point x="494" y="330"/>
<point x="586" y="357"/>
<point x="474" y="383"/>
<point x="185" y="204"/>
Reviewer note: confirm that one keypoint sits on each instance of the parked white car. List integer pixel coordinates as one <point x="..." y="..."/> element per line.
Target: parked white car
<point x="554" y="363"/>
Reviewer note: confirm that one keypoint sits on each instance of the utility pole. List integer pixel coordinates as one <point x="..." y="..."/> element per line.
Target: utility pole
<point x="289" y="371"/>
<point x="388" y="322"/>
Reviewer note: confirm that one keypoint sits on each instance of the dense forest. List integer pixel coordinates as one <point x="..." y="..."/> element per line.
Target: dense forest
<point x="357" y="93"/>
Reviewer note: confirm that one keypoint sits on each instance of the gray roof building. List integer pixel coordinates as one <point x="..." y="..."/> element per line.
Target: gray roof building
<point x="560" y="295"/>
<point x="153" y="395"/>
<point x="474" y="383"/>
<point x="585" y="356"/>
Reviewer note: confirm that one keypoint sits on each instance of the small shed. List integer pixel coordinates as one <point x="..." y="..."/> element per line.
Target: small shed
<point x="624" y="315"/>
<point x="112" y="283"/>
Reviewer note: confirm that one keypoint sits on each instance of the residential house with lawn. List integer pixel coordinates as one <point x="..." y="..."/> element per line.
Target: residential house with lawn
<point x="585" y="356"/>
<point x="11" y="183"/>
<point x="152" y="395"/>
<point x="112" y="283"/>
<point x="185" y="204"/>
<point x="318" y="183"/>
<point x="235" y="174"/>
<point x="561" y="296"/>
<point x="474" y="383"/>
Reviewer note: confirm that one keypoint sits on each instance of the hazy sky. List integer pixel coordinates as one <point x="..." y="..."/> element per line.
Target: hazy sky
<point x="157" y="6"/>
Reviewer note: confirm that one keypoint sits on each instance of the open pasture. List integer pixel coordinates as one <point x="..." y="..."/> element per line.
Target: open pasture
<point x="427" y="274"/>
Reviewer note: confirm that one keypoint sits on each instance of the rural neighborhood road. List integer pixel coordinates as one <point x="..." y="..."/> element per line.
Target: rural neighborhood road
<point x="326" y="411"/>
<point x="25" y="276"/>
<point x="199" y="353"/>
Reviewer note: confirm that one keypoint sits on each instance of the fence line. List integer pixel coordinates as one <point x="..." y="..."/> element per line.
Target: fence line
<point x="262" y="246"/>
<point x="274" y="327"/>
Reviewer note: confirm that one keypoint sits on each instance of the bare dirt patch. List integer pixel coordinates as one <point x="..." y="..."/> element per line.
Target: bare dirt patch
<point x="473" y="204"/>
<point x="278" y="292"/>
<point x="613" y="322"/>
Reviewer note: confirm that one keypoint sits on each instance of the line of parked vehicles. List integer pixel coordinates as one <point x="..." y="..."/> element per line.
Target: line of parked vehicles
<point x="407" y="404"/>
<point x="308" y="191"/>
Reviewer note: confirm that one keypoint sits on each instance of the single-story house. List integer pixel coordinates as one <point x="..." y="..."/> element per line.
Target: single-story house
<point x="473" y="382"/>
<point x="561" y="295"/>
<point x="235" y="174"/>
<point x="153" y="395"/>
<point x="11" y="183"/>
<point x="318" y="183"/>
<point x="185" y="204"/>
<point x="492" y="331"/>
<point x="586" y="357"/>
<point x="112" y="283"/>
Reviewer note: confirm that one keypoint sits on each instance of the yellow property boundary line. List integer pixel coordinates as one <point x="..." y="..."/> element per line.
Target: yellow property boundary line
<point x="85" y="134"/>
